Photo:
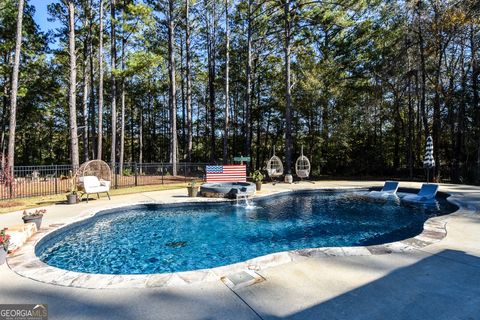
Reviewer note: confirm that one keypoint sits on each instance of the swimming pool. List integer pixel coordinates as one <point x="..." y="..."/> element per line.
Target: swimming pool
<point x="148" y="239"/>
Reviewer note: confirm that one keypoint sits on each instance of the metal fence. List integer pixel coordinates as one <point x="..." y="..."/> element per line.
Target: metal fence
<point x="32" y="181"/>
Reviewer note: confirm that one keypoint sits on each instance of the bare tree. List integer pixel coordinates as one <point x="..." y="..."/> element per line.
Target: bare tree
<point x="122" y="102"/>
<point x="211" y="43"/>
<point x="91" y="53"/>
<point x="172" y="97"/>
<point x="227" y="80"/>
<point x="113" y="54"/>
<point x="288" y="88"/>
<point x="72" y="87"/>
<point x="100" y="85"/>
<point x="13" y="101"/>
<point x="421" y="44"/>
<point x="248" y="96"/>
<point x="86" y="84"/>
<point x="189" y="82"/>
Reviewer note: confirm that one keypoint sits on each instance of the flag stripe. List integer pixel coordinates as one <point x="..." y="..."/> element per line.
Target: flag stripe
<point x="226" y="173"/>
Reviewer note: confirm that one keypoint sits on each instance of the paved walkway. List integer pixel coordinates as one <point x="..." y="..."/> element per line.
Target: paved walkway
<point x="440" y="281"/>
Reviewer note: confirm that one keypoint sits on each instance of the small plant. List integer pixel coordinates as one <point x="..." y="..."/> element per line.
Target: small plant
<point x="257" y="176"/>
<point x="36" y="214"/>
<point x="4" y="239"/>
<point x="35" y="217"/>
<point x="192" y="189"/>
<point x="73" y="184"/>
<point x="127" y="172"/>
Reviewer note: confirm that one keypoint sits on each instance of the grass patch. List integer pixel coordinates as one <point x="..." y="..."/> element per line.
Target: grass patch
<point x="34" y="202"/>
<point x="9" y="204"/>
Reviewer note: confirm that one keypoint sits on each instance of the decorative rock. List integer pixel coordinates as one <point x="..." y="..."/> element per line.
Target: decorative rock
<point x="19" y="234"/>
<point x="288" y="178"/>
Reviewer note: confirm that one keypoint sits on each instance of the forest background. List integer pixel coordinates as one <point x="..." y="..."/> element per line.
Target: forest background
<point x="358" y="84"/>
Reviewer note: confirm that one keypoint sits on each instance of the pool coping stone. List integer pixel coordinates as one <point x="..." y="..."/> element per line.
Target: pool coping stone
<point x="27" y="264"/>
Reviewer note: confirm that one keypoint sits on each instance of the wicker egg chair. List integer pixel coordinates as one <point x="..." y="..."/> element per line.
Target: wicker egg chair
<point x="274" y="167"/>
<point x="94" y="176"/>
<point x="302" y="166"/>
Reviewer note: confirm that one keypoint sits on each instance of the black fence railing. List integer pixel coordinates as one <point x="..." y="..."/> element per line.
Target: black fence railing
<point x="32" y="181"/>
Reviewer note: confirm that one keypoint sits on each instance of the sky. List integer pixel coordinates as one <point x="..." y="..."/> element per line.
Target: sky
<point x="41" y="16"/>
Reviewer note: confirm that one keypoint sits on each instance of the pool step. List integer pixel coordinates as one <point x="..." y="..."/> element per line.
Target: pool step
<point x="242" y="279"/>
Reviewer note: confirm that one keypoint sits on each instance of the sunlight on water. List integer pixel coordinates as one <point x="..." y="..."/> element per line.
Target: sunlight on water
<point x="147" y="239"/>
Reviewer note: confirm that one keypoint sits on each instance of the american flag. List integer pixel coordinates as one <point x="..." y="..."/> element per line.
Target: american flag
<point x="227" y="173"/>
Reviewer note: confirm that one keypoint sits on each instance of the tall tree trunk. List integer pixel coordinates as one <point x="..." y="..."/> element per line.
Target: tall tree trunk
<point x="411" y="125"/>
<point x="423" y="79"/>
<point x="122" y="107"/>
<point x="189" y="83"/>
<point x="100" y="85"/>
<point x="460" y="123"/>
<point x="436" y="123"/>
<point x="114" y="84"/>
<point x="248" y="73"/>
<point x="259" y="124"/>
<point x="122" y="119"/>
<point x="253" y="108"/>
<point x="288" y="95"/>
<point x="182" y="91"/>
<point x="397" y="131"/>
<point x="172" y="90"/>
<point x="227" y="82"/>
<point x="14" y="90"/>
<point x="325" y="110"/>
<point x="5" y="108"/>
<point x="235" y="121"/>
<point x="140" y="136"/>
<point x="211" y="80"/>
<point x="475" y="99"/>
<point x="92" y="82"/>
<point x="72" y="88"/>
<point x="85" y="89"/>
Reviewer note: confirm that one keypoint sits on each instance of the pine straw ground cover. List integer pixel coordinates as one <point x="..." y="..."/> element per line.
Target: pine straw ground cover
<point x="33" y="202"/>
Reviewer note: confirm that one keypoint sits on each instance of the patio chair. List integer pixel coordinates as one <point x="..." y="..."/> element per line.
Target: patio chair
<point x="34" y="176"/>
<point x="91" y="184"/>
<point x="94" y="176"/>
<point x="389" y="190"/>
<point x="426" y="194"/>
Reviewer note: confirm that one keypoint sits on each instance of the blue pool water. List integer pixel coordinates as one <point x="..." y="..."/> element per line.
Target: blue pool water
<point x="149" y="239"/>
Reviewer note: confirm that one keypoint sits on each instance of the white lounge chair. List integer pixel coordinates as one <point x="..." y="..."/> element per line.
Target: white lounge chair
<point x="389" y="190"/>
<point x="91" y="184"/>
<point x="426" y="194"/>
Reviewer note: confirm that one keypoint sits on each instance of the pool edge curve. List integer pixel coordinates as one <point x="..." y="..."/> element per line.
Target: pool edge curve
<point x="27" y="264"/>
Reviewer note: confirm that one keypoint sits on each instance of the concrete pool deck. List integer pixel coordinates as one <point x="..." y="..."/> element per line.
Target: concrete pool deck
<point x="441" y="280"/>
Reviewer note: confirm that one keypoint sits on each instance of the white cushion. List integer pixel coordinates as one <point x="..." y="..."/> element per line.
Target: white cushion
<point x="91" y="184"/>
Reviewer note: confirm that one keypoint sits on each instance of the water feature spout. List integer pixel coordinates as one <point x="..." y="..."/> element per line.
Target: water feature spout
<point x="247" y="203"/>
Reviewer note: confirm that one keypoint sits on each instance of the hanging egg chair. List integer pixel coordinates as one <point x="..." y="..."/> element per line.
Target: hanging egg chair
<point x="302" y="166"/>
<point x="274" y="166"/>
<point x="92" y="177"/>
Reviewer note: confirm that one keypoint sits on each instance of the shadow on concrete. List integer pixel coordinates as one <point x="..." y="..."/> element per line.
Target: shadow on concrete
<point x="442" y="286"/>
<point x="211" y="302"/>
